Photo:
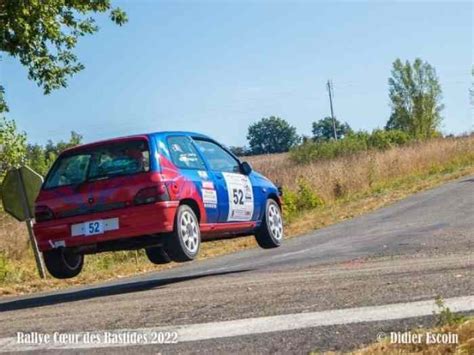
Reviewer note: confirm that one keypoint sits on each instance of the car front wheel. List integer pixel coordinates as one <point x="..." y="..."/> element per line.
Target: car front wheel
<point x="270" y="234"/>
<point x="63" y="264"/>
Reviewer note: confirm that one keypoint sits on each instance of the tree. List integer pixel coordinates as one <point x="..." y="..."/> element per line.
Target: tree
<point x="323" y="129"/>
<point x="12" y="146"/>
<point x="3" y="104"/>
<point x="37" y="159"/>
<point x="415" y="95"/>
<point x="271" y="135"/>
<point x="240" y="151"/>
<point x="58" y="148"/>
<point x="41" y="158"/>
<point x="43" y="33"/>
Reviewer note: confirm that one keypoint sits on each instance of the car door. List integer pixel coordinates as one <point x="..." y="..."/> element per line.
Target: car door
<point x="187" y="159"/>
<point x="235" y="194"/>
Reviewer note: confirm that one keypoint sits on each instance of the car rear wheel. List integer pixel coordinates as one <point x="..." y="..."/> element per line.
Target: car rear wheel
<point x="184" y="243"/>
<point x="270" y="234"/>
<point x="63" y="264"/>
<point x="157" y="255"/>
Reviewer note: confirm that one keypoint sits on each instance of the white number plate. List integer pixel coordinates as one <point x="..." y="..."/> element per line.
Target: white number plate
<point x="99" y="226"/>
<point x="240" y="197"/>
<point x="94" y="227"/>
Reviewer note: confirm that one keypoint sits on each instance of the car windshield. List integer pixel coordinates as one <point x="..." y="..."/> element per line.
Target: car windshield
<point x="101" y="162"/>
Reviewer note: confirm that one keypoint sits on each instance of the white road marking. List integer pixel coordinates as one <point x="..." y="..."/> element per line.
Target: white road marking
<point x="249" y="326"/>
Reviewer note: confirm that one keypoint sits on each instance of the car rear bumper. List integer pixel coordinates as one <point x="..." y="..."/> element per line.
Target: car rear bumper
<point x="132" y="222"/>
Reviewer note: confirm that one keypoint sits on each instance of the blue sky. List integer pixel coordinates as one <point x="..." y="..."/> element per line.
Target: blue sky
<point x="217" y="66"/>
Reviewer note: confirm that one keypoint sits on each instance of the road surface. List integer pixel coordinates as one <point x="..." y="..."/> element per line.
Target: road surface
<point x="332" y="289"/>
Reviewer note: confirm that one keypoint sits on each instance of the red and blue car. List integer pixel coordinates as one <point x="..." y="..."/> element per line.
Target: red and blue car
<point x="165" y="192"/>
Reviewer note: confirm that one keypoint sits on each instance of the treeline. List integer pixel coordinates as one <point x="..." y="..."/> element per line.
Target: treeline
<point x="415" y="95"/>
<point x="15" y="151"/>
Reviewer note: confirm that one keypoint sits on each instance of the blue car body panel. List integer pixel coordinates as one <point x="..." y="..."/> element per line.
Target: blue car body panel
<point x="262" y="188"/>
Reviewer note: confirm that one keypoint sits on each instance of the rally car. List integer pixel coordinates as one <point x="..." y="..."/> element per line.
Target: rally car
<point x="166" y="192"/>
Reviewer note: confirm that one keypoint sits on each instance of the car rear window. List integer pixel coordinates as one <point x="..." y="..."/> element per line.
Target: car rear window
<point x="98" y="163"/>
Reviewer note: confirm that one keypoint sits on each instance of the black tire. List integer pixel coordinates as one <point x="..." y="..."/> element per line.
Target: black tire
<point x="157" y="255"/>
<point x="185" y="241"/>
<point x="62" y="264"/>
<point x="270" y="234"/>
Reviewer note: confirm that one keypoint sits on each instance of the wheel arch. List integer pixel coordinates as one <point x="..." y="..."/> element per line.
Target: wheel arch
<point x="274" y="196"/>
<point x="271" y="196"/>
<point x="194" y="206"/>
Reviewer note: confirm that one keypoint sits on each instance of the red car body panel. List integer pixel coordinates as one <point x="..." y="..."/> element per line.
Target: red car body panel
<point x="134" y="221"/>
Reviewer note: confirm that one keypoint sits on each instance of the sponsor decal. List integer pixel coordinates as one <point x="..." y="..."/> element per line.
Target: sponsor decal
<point x="209" y="194"/>
<point x="203" y="174"/>
<point x="208" y="185"/>
<point x="209" y="198"/>
<point x="241" y="202"/>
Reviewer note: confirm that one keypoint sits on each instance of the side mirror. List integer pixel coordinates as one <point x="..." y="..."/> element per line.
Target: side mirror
<point x="246" y="168"/>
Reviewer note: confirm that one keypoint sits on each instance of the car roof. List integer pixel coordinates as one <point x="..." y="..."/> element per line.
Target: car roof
<point x="161" y="134"/>
<point x="181" y="133"/>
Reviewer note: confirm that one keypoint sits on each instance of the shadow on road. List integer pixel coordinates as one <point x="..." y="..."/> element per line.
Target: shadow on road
<point x="63" y="297"/>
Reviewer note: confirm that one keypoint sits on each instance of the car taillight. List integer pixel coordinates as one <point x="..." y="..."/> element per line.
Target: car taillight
<point x="151" y="195"/>
<point x="43" y="213"/>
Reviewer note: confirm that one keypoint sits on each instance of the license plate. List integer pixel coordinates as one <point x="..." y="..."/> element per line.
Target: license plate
<point x="99" y="226"/>
<point x="94" y="227"/>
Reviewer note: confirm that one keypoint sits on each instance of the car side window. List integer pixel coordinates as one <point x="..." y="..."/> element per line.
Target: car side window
<point x="183" y="154"/>
<point x="218" y="158"/>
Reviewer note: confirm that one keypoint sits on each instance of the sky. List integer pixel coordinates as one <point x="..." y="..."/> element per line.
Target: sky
<point x="216" y="67"/>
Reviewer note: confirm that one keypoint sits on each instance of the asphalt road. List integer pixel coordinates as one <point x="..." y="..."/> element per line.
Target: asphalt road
<point x="412" y="251"/>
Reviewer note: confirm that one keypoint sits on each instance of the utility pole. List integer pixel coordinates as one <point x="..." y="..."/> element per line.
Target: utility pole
<point x="329" y="86"/>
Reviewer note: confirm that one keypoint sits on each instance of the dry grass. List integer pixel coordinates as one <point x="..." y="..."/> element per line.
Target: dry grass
<point x="359" y="204"/>
<point x="369" y="181"/>
<point x="361" y="172"/>
<point x="13" y="237"/>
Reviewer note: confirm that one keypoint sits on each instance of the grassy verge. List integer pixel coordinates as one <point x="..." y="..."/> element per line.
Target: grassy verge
<point x="464" y="331"/>
<point x="457" y="331"/>
<point x="361" y="203"/>
<point x="19" y="276"/>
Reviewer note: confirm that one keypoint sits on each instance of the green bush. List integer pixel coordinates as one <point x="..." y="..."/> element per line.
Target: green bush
<point x="312" y="151"/>
<point x="399" y="137"/>
<point x="304" y="198"/>
<point x="445" y="316"/>
<point x="382" y="140"/>
<point x="289" y="203"/>
<point x="353" y="143"/>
